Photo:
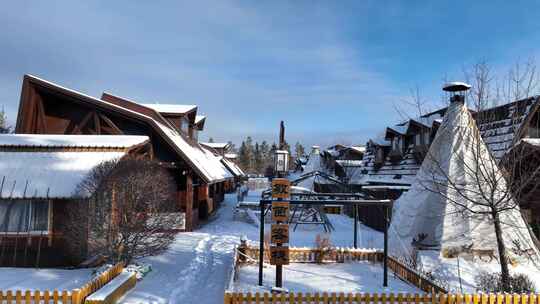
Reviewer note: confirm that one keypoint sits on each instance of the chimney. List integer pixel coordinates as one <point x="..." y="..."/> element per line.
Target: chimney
<point x="457" y="91"/>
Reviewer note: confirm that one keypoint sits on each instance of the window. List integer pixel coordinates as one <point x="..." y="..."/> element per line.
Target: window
<point x="24" y="216"/>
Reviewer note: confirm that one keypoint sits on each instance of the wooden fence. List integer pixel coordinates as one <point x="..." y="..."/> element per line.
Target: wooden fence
<point x="75" y="296"/>
<point x="312" y="255"/>
<point x="341" y="255"/>
<point x="367" y="298"/>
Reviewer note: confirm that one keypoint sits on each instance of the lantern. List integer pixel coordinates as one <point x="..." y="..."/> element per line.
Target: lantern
<point x="281" y="161"/>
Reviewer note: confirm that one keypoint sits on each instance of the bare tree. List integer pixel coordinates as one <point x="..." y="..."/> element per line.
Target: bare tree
<point x="521" y="81"/>
<point x="4" y="127"/>
<point x="130" y="213"/>
<point x="414" y="103"/>
<point x="479" y="191"/>
<point x="480" y="77"/>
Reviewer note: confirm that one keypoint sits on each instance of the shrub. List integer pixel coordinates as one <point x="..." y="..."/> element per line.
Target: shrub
<point x="492" y="282"/>
<point x="324" y="246"/>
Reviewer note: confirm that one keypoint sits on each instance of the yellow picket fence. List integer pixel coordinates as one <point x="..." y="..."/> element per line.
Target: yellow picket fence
<point x="75" y="296"/>
<point x="367" y="298"/>
<point x="342" y="255"/>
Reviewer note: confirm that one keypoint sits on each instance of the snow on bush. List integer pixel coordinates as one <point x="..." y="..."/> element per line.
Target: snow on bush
<point x="492" y="282"/>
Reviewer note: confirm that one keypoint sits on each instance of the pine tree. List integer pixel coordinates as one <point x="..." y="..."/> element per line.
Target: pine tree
<point x="243" y="157"/>
<point x="258" y="162"/>
<point x="265" y="152"/>
<point x="4" y="128"/>
<point x="249" y="154"/>
<point x="299" y="150"/>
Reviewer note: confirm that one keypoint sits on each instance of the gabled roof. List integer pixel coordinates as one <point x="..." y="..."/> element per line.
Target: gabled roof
<point x="199" y="122"/>
<point x="171" y="109"/>
<point x="202" y="161"/>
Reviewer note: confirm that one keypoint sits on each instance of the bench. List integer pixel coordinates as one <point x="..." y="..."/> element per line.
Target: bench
<point x="114" y="290"/>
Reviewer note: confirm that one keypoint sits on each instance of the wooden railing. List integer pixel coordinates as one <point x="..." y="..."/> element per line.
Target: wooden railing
<point x="311" y="255"/>
<point x="390" y="298"/>
<point x="417" y="279"/>
<point x="75" y="296"/>
<point x="341" y="255"/>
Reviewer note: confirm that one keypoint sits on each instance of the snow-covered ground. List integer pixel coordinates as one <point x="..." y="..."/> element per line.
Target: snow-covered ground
<point x="43" y="279"/>
<point x="360" y="276"/>
<point x="196" y="267"/>
<point x="448" y="270"/>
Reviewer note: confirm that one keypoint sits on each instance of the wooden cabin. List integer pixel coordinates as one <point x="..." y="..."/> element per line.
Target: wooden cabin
<point x="47" y="108"/>
<point x="39" y="192"/>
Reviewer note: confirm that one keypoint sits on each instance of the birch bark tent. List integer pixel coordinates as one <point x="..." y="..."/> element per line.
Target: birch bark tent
<point x="461" y="200"/>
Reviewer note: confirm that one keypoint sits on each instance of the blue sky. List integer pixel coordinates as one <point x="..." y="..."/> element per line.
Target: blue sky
<point x="331" y="69"/>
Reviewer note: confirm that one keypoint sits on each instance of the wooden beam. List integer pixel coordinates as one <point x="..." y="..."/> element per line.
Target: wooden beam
<point x="111" y="124"/>
<point x="78" y="128"/>
<point x="40" y="112"/>
<point x="97" y="124"/>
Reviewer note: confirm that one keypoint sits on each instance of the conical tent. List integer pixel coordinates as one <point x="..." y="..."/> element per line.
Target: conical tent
<point x="446" y="205"/>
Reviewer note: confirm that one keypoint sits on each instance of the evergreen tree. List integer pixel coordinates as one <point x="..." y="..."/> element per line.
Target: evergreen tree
<point x="243" y="157"/>
<point x="249" y="154"/>
<point x="299" y="150"/>
<point x="210" y="140"/>
<point x="265" y="154"/>
<point x="258" y="159"/>
<point x="4" y="128"/>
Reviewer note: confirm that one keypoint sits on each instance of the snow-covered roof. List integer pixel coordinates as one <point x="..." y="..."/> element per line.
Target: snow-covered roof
<point x="205" y="163"/>
<point x="380" y="140"/>
<point x="208" y="164"/>
<point x="360" y="149"/>
<point x="199" y="118"/>
<point x="233" y="167"/>
<point x="231" y="155"/>
<point x="47" y="174"/>
<point x="170" y="108"/>
<point x="216" y="145"/>
<point x="80" y="141"/>
<point x="349" y="162"/>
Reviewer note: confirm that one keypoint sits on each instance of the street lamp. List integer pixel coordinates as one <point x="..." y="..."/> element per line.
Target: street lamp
<point x="281" y="162"/>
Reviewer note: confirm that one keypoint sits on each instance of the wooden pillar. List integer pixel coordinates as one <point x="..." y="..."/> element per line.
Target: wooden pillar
<point x="190" y="224"/>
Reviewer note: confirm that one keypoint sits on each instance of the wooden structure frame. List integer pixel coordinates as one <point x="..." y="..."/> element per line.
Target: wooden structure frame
<point x="47" y="108"/>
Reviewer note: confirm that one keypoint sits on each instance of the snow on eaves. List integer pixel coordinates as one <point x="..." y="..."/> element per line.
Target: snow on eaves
<point x="233" y="168"/>
<point x="199" y="118"/>
<point x="47" y="174"/>
<point x="205" y="162"/>
<point x="80" y="141"/>
<point x="215" y="145"/>
<point x="170" y="108"/>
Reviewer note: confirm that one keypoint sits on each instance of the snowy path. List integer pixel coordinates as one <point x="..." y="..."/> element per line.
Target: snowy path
<point x="196" y="267"/>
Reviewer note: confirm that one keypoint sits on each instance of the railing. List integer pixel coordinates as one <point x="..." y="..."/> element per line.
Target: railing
<point x="75" y="296"/>
<point x="341" y="255"/>
<point x="390" y="298"/>
<point x="310" y="255"/>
